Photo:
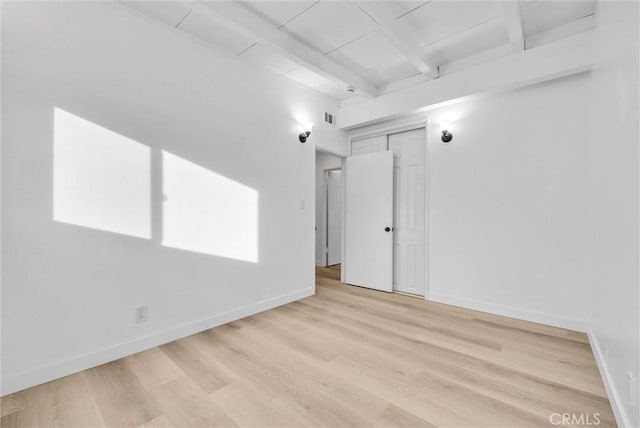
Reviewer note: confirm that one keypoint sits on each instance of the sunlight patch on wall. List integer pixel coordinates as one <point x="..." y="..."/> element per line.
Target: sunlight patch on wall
<point x="102" y="179"/>
<point x="207" y="212"/>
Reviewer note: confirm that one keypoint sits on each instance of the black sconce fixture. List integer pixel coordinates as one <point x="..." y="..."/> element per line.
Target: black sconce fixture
<point x="305" y="131"/>
<point x="303" y="136"/>
<point x="446" y="134"/>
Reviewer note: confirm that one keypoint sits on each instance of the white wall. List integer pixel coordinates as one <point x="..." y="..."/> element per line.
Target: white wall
<point x="69" y="292"/>
<point x="324" y="161"/>
<point x="507" y="204"/>
<point x="613" y="204"/>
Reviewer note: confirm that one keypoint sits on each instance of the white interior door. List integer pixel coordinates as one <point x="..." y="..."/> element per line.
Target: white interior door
<point x="369" y="218"/>
<point x="334" y="217"/>
<point x="409" y="211"/>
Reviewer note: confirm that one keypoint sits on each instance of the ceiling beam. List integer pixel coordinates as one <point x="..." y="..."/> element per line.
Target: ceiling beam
<point x="399" y="37"/>
<point x="553" y="60"/>
<point x="513" y="19"/>
<point x="240" y="19"/>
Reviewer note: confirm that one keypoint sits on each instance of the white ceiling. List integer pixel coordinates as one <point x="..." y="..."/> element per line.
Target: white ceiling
<point x="449" y="34"/>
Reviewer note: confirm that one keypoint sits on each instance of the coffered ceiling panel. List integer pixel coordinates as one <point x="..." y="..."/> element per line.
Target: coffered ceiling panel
<point x="169" y="12"/>
<point x="441" y="19"/>
<point x="335" y="89"/>
<point x="480" y="38"/>
<point x="390" y="71"/>
<point x="543" y="14"/>
<point x="280" y="12"/>
<point x="201" y="27"/>
<point x="330" y="25"/>
<point x="263" y="56"/>
<point x="365" y="52"/>
<point x="401" y="8"/>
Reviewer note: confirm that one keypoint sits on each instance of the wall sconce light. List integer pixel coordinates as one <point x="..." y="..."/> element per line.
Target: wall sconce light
<point x="445" y="126"/>
<point x="305" y="131"/>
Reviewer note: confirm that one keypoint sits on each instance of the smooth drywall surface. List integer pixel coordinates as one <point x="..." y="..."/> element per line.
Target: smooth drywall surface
<point x="227" y="135"/>
<point x="507" y="204"/>
<point x="613" y="205"/>
<point x="324" y="161"/>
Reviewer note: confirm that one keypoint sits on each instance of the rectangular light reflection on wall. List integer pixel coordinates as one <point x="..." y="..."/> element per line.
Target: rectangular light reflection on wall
<point x="102" y="179"/>
<point x="207" y="212"/>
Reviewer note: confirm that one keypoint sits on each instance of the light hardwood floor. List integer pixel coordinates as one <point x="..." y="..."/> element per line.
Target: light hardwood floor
<point x="347" y="356"/>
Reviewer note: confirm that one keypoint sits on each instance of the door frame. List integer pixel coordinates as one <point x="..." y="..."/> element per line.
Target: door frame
<point x="325" y="174"/>
<point x="342" y="157"/>
<point x="387" y="129"/>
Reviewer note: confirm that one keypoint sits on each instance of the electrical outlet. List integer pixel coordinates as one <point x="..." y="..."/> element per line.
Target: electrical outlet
<point x="631" y="388"/>
<point x="141" y="313"/>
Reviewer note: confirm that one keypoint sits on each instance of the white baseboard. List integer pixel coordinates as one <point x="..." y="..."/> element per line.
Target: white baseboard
<point x="508" y="311"/>
<point x="622" y="419"/>
<point x="19" y="381"/>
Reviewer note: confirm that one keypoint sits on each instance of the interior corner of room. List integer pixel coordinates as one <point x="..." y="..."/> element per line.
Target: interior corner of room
<point x="320" y="213"/>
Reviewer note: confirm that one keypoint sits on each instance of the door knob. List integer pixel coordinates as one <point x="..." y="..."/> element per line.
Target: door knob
<point x="387" y="229"/>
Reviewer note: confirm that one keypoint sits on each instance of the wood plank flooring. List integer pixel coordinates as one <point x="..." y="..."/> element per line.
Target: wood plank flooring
<point x="347" y="356"/>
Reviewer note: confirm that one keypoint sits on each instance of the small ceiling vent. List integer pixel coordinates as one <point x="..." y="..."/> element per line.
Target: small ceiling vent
<point x="329" y="118"/>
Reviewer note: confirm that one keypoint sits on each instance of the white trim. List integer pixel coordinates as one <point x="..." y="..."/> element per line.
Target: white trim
<point x="427" y="188"/>
<point x="622" y="419"/>
<point x="508" y="311"/>
<point x="26" y="379"/>
<point x="396" y="128"/>
<point x="343" y="239"/>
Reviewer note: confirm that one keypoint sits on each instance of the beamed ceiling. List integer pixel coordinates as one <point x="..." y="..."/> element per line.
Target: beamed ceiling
<point x="375" y="47"/>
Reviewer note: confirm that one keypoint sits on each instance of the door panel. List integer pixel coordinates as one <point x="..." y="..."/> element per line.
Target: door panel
<point x="369" y="210"/>
<point x="409" y="211"/>
<point x="334" y="217"/>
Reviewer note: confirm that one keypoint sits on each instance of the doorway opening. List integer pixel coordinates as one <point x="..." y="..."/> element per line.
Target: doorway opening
<point x="329" y="210"/>
<point x="333" y="227"/>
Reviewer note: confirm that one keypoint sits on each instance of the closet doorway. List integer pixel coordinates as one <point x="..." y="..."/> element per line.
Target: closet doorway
<point x="409" y="205"/>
